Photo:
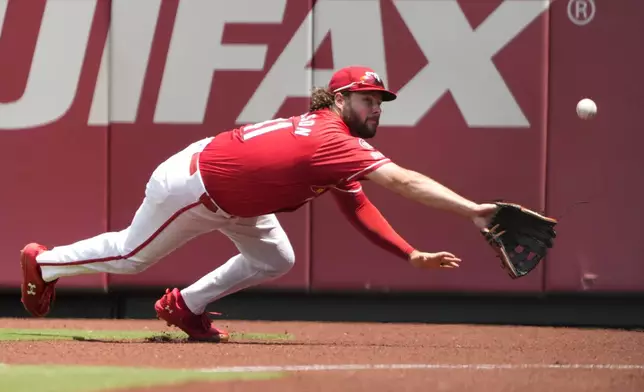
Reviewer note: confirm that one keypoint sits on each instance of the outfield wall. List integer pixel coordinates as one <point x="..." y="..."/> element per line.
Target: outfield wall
<point x="95" y="93"/>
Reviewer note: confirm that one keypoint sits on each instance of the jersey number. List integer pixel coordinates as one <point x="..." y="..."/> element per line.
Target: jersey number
<point x="303" y="127"/>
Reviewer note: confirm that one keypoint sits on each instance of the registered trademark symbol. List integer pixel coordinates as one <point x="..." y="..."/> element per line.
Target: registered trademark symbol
<point x="581" y="12"/>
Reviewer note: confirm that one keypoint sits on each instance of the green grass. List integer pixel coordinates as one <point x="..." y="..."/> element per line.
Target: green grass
<point x="56" y="378"/>
<point x="11" y="334"/>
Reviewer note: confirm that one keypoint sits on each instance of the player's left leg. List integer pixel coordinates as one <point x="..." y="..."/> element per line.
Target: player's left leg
<point x="174" y="211"/>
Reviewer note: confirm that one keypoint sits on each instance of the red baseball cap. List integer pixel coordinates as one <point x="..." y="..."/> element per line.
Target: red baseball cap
<point x="358" y="78"/>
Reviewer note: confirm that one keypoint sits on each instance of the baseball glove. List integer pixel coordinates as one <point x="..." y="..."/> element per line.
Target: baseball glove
<point x="520" y="237"/>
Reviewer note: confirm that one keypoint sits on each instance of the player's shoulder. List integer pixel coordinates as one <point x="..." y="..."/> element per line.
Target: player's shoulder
<point x="329" y="126"/>
<point x="325" y="120"/>
<point x="331" y="132"/>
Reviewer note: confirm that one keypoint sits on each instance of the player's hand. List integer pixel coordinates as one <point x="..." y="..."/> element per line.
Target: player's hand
<point x="482" y="214"/>
<point x="433" y="260"/>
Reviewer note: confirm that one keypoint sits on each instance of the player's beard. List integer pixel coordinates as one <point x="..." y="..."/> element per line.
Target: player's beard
<point x="365" y="129"/>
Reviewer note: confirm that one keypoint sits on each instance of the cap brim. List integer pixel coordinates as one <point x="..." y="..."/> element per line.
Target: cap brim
<point x="386" y="94"/>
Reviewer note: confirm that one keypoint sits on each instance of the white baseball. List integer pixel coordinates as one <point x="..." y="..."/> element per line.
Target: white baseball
<point x="586" y="108"/>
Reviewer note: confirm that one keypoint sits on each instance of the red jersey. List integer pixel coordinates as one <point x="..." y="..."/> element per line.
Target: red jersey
<point x="280" y="165"/>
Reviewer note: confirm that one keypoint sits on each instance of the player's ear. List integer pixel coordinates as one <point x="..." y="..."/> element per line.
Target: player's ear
<point x="340" y="100"/>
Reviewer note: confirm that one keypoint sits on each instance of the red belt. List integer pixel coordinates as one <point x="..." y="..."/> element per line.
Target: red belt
<point x="204" y="199"/>
<point x="193" y="163"/>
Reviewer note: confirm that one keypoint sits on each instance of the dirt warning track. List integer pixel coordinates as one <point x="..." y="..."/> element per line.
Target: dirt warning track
<point x="362" y="356"/>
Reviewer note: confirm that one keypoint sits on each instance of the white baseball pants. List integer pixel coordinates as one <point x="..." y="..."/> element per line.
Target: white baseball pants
<point x="172" y="213"/>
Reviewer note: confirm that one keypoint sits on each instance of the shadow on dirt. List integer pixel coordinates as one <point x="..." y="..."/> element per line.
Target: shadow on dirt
<point x="152" y="339"/>
<point x="166" y="339"/>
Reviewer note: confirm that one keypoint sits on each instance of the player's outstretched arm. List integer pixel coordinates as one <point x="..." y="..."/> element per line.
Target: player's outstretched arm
<point x="418" y="187"/>
<point x="369" y="221"/>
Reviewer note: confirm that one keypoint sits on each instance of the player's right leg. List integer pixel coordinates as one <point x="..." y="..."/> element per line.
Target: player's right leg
<point x="172" y="213"/>
<point x="265" y="254"/>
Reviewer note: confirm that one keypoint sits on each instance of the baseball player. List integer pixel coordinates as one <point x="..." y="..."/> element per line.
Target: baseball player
<point x="234" y="183"/>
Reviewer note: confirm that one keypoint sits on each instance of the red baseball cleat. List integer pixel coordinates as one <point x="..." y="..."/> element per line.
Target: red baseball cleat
<point x="172" y="309"/>
<point x="37" y="295"/>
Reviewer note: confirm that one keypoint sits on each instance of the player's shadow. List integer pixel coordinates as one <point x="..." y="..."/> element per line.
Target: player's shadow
<point x="160" y="339"/>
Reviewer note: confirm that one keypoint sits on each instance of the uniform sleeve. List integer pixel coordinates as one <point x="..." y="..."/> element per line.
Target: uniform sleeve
<point x="366" y="218"/>
<point x="347" y="158"/>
